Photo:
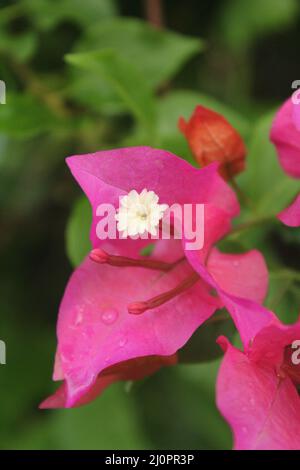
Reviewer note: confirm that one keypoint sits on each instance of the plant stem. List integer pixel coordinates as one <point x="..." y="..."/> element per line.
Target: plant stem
<point x="243" y="198"/>
<point x="286" y="273"/>
<point x="37" y="88"/>
<point x="218" y="318"/>
<point x="154" y="13"/>
<point x="252" y="223"/>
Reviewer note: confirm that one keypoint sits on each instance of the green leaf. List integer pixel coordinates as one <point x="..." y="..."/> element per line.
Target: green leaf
<point x="110" y="422"/>
<point x="21" y="47"/>
<point x="78" y="229"/>
<point x="284" y="298"/>
<point x="97" y="95"/>
<point x="24" y="116"/>
<point x="182" y="103"/>
<point x="49" y="13"/>
<point x="124" y="78"/>
<point x="158" y="55"/>
<point x="202" y="346"/>
<point x="242" y="22"/>
<point x="178" y="411"/>
<point x="264" y="181"/>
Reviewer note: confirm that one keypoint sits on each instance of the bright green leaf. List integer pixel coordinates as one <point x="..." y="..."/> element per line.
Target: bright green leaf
<point x="157" y="54"/>
<point x="124" y="78"/>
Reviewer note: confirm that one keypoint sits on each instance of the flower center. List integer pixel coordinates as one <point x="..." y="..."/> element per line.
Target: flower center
<point x="139" y="213"/>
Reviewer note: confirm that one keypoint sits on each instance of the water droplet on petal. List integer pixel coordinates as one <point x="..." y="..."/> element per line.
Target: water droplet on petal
<point x="109" y="316"/>
<point x="236" y="264"/>
<point x="78" y="319"/>
<point x="122" y="342"/>
<point x="244" y="429"/>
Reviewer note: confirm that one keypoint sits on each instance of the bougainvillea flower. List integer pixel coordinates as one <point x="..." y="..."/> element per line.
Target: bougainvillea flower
<point x="119" y="306"/>
<point x="211" y="138"/>
<point x="285" y="135"/>
<point x="258" y="390"/>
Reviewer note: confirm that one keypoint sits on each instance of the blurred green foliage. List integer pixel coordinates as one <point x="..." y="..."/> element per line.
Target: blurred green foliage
<point x="84" y="76"/>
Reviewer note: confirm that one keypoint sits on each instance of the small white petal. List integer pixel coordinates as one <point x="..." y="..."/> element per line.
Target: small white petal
<point x="140" y="213"/>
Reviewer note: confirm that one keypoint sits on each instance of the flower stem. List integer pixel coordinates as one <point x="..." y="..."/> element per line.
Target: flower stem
<point x="154" y="13"/>
<point x="285" y="273"/>
<point x="242" y="196"/>
<point x="256" y="221"/>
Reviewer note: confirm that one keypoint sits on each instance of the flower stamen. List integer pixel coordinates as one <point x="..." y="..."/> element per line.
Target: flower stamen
<point x="100" y="256"/>
<point x="136" y="308"/>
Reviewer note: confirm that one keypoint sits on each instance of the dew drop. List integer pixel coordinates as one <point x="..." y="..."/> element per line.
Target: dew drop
<point x="236" y="264"/>
<point x="122" y="342"/>
<point x="109" y="316"/>
<point x="78" y="319"/>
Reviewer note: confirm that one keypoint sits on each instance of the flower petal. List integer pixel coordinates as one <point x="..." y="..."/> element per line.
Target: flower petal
<point x="242" y="275"/>
<point x="96" y="331"/>
<point x="134" y="369"/>
<point x="248" y="315"/>
<point x="286" y="137"/>
<point x="262" y="409"/>
<point x="107" y="175"/>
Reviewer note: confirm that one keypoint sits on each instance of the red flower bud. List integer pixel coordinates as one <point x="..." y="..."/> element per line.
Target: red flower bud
<point x="211" y="138"/>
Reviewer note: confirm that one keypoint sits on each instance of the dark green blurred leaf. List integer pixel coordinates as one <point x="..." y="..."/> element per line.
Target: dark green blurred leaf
<point x="97" y="95"/>
<point x="157" y="54"/>
<point x="78" y="230"/>
<point x="284" y="298"/>
<point x="177" y="406"/>
<point x="20" y="47"/>
<point x="48" y="13"/>
<point x="243" y="21"/>
<point x="202" y="346"/>
<point x="124" y="78"/>
<point x="109" y="422"/>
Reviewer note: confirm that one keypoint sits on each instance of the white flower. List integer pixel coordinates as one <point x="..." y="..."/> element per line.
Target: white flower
<point x="139" y="213"/>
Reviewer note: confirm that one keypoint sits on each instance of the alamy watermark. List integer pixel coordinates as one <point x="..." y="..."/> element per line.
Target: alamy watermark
<point x="2" y="352"/>
<point x="2" y="92"/>
<point x="295" y="357"/>
<point x="296" y="93"/>
<point x="140" y="221"/>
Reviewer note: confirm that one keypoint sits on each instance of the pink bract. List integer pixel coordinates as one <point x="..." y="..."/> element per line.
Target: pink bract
<point x="285" y="135"/>
<point x="95" y="331"/>
<point x="257" y="390"/>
